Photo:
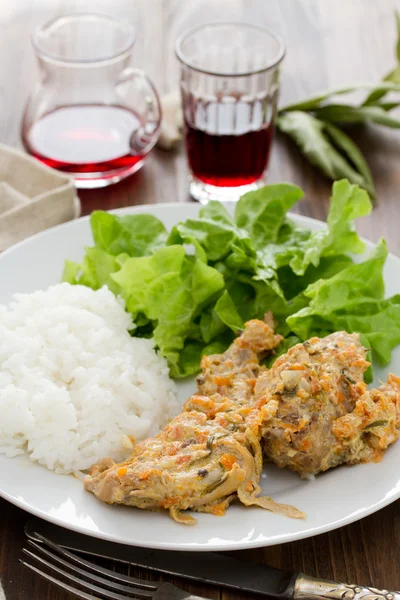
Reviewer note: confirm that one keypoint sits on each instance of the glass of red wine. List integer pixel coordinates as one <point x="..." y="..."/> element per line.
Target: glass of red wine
<point x="229" y="85"/>
<point x="91" y="115"/>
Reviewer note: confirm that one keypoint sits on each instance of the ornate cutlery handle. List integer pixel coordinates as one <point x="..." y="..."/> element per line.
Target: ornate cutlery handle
<point x="310" y="588"/>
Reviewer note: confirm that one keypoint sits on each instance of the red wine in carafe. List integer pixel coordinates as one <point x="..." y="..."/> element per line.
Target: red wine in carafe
<point x="228" y="144"/>
<point x="85" y="139"/>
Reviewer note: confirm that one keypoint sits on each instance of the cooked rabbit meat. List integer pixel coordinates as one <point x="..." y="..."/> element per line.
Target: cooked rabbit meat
<point x="366" y="432"/>
<point x="210" y="453"/>
<point x="321" y="412"/>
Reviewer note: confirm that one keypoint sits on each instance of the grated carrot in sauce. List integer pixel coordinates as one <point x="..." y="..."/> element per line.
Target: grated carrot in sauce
<point x="218" y="510"/>
<point x="223" y="379"/>
<point x="340" y="397"/>
<point x="261" y="402"/>
<point x="169" y="502"/>
<point x="227" y="461"/>
<point x="185" y="458"/>
<point x="201" y="402"/>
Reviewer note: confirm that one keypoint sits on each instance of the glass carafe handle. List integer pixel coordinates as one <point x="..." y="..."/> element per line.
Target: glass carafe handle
<point x="135" y="87"/>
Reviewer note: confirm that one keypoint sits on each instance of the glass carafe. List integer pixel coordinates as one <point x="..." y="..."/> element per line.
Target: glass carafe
<point x="91" y="114"/>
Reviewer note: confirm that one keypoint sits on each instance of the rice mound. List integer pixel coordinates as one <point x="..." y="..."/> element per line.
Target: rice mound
<point x="73" y="383"/>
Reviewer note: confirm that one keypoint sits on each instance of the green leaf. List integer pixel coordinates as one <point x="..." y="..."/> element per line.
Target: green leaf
<point x="226" y="311"/>
<point x="224" y="315"/>
<point x="206" y="282"/>
<point x="261" y="261"/>
<point x="94" y="271"/>
<point x="242" y="293"/>
<point x="343" y="142"/>
<point x="392" y="77"/>
<point x="328" y="267"/>
<point x="345" y="113"/>
<point x="71" y="272"/>
<point x="216" y="211"/>
<point x="211" y="326"/>
<point x="316" y="101"/>
<point x="138" y="274"/>
<point x="262" y="299"/>
<point x="310" y="135"/>
<point x="366" y="278"/>
<point x="353" y="300"/>
<point x="169" y="289"/>
<point x="188" y="363"/>
<point x="348" y="202"/>
<point x="223" y="243"/>
<point x="136" y="235"/>
<point x="215" y="237"/>
<point x="388" y="105"/>
<point x="382" y="326"/>
<point x="263" y="211"/>
<point x="297" y="249"/>
<point x="397" y="16"/>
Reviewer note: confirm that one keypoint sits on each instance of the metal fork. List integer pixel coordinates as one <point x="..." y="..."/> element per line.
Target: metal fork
<point x="95" y="582"/>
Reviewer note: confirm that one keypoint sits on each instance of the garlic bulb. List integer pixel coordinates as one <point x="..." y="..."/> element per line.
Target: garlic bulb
<point x="172" y="121"/>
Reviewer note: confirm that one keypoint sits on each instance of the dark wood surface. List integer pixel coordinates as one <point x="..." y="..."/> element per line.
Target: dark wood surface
<point x="330" y="42"/>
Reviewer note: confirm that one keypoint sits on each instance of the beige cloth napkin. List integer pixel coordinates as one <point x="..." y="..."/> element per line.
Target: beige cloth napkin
<point x="33" y="197"/>
<point x="2" y="596"/>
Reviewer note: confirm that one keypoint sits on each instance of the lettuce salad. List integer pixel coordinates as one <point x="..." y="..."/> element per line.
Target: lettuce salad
<point x="194" y="287"/>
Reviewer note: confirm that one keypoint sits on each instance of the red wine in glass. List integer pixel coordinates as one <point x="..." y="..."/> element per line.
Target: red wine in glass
<point x="228" y="144"/>
<point x="228" y="160"/>
<point x="85" y="140"/>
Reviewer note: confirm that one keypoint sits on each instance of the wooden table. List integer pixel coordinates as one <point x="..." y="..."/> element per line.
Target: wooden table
<point x="330" y="42"/>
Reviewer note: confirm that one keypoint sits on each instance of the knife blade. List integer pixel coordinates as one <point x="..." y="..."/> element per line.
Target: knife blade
<point x="208" y="567"/>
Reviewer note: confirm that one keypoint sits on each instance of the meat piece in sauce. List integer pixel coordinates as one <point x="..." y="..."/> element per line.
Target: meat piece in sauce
<point x="208" y="455"/>
<point x="321" y="413"/>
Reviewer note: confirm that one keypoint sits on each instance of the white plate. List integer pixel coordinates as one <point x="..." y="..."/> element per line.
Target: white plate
<point x="333" y="499"/>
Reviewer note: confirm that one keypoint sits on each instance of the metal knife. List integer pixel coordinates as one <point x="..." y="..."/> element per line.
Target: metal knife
<point x="212" y="568"/>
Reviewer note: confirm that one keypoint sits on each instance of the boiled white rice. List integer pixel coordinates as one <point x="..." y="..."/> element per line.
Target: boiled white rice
<point x="73" y="383"/>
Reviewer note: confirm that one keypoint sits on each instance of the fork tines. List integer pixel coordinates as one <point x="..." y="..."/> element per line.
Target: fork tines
<point x="92" y="581"/>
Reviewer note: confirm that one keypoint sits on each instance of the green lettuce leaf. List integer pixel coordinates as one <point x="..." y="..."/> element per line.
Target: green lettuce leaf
<point x="194" y="288"/>
<point x="301" y="248"/>
<point x="137" y="235"/>
<point x="169" y="289"/>
<point x="226" y="311"/>
<point x="262" y="212"/>
<point x="94" y="271"/>
<point x="189" y="358"/>
<point x="328" y="266"/>
<point x="216" y="212"/>
<point x="348" y="202"/>
<point x="353" y="301"/>
<point x="211" y="326"/>
<point x="71" y="272"/>
<point x="221" y="318"/>
<point x="218" y="238"/>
